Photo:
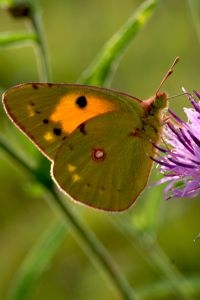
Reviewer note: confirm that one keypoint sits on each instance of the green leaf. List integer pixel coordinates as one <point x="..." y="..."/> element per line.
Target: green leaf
<point x="108" y="59"/>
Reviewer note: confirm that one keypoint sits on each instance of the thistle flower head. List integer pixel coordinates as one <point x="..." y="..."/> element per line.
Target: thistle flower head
<point x="179" y="159"/>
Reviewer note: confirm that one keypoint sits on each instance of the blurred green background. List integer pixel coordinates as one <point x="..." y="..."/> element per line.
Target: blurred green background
<point x="74" y="33"/>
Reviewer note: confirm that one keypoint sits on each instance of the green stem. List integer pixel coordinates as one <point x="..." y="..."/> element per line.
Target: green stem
<point x="164" y="288"/>
<point x="8" y="150"/>
<point x="97" y="249"/>
<point x="43" y="61"/>
<point x="92" y="243"/>
<point x="161" y="261"/>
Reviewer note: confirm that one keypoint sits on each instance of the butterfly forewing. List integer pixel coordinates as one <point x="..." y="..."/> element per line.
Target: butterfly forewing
<point x="48" y="113"/>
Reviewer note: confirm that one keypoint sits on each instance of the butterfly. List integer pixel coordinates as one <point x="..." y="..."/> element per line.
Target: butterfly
<point x="99" y="140"/>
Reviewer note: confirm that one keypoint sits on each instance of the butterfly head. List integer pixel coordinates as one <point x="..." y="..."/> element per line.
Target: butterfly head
<point x="160" y="100"/>
<point x="155" y="103"/>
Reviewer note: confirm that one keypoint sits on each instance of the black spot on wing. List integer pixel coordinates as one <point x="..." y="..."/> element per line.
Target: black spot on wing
<point x="35" y="86"/>
<point x="136" y="132"/>
<point x="71" y="147"/>
<point x="57" y="131"/>
<point x="82" y="128"/>
<point x="45" y="121"/>
<point x="32" y="104"/>
<point x="81" y="102"/>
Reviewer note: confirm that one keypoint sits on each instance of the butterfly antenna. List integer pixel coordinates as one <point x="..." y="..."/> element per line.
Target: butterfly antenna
<point x="181" y="94"/>
<point x="177" y="95"/>
<point x="169" y="72"/>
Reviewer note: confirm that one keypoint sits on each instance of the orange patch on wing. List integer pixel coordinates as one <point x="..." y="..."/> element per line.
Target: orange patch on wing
<point x="70" y="115"/>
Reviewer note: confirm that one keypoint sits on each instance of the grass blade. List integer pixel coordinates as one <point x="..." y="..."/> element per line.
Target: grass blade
<point x="16" y="38"/>
<point x="108" y="59"/>
<point x="36" y="262"/>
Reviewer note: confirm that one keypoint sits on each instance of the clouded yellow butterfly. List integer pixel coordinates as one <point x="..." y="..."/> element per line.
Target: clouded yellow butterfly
<point x="98" y="140"/>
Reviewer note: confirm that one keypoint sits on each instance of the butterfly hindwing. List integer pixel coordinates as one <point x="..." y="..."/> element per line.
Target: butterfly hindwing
<point x="104" y="163"/>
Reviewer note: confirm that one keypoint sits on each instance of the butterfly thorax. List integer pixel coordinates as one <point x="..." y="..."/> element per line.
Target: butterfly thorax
<point x="152" y="120"/>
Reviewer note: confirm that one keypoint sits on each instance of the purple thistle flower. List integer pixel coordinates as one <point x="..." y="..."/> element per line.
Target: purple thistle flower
<point x="179" y="159"/>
